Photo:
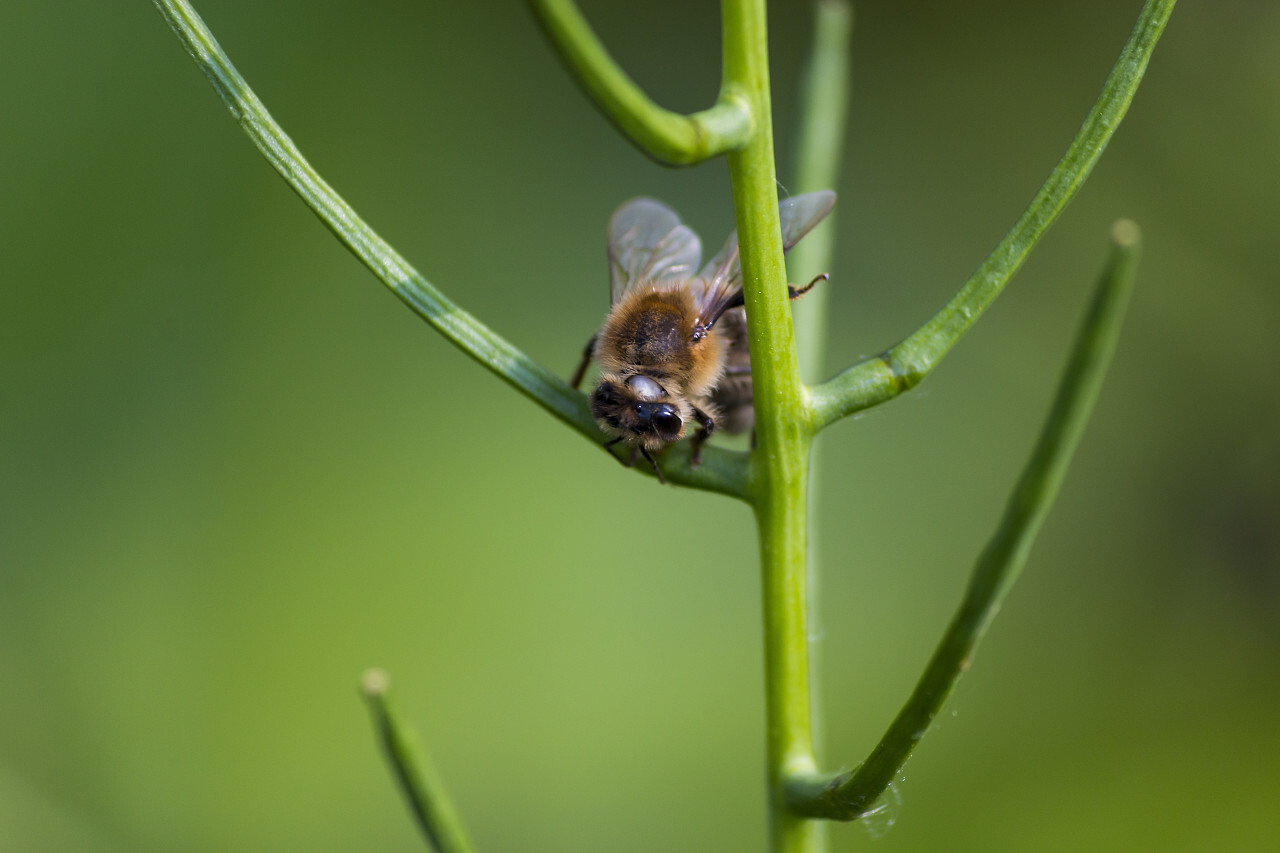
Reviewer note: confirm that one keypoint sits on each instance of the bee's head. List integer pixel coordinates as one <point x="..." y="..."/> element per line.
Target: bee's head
<point x="638" y="409"/>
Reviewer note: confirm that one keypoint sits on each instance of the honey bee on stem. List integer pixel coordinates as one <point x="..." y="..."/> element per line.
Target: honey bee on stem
<point x="673" y="350"/>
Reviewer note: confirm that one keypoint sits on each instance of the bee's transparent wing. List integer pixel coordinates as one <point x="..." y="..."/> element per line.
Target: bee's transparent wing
<point x="723" y="273"/>
<point x="648" y="243"/>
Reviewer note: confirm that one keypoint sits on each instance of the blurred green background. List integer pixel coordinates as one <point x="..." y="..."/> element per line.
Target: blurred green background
<point x="235" y="471"/>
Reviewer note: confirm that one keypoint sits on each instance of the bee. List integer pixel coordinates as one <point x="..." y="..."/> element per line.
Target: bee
<point x="673" y="350"/>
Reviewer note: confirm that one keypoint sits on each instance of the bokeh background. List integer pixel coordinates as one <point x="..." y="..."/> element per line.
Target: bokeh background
<point x="235" y="471"/>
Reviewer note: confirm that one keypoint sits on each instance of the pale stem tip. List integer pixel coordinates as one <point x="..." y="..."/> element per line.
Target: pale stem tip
<point x="375" y="683"/>
<point x="1125" y="233"/>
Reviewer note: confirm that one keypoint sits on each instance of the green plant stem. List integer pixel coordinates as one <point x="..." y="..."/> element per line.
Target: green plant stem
<point x="780" y="460"/>
<point x="849" y="795"/>
<point x="462" y="329"/>
<point x="824" y="109"/>
<point x="669" y="137"/>
<point x="722" y="471"/>
<point x="883" y="377"/>
<point x="423" y="789"/>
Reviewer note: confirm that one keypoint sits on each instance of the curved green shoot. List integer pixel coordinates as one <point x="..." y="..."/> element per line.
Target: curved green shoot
<point x="901" y="368"/>
<point x="849" y="795"/>
<point x="666" y="136"/>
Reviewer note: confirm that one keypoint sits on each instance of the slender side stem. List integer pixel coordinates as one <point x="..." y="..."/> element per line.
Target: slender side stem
<point x="465" y="331"/>
<point x="721" y="471"/>
<point x="666" y="136"/>
<point x="878" y="379"/>
<point x="780" y="460"/>
<point x="847" y="796"/>
<point x="824" y="110"/>
<point x="423" y="789"/>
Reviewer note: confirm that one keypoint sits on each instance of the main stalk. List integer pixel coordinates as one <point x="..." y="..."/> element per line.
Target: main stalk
<point x="780" y="460"/>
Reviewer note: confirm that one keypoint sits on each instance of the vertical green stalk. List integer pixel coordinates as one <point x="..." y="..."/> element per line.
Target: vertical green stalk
<point x="824" y="109"/>
<point x="779" y="462"/>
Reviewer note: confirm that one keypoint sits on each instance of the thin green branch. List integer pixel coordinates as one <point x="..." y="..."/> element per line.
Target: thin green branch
<point x="878" y="379"/>
<point x="721" y="471"/>
<point x="847" y="796"/>
<point x="463" y="330"/>
<point x="824" y="109"/>
<point x="669" y="137"/>
<point x="427" y="797"/>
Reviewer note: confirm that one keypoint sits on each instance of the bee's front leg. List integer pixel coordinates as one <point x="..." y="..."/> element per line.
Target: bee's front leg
<point x="625" y="461"/>
<point x="706" y="426"/>
<point x="629" y="461"/>
<point x="657" y="472"/>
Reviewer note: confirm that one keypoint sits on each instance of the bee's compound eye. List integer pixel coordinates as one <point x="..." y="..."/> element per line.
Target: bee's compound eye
<point x="604" y="407"/>
<point x="666" y="420"/>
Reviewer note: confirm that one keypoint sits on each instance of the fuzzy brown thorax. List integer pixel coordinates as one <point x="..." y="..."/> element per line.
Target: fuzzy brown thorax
<point x="651" y="331"/>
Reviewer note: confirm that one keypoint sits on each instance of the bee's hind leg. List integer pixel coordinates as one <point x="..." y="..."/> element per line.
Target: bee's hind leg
<point x="707" y="426"/>
<point x="794" y="292"/>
